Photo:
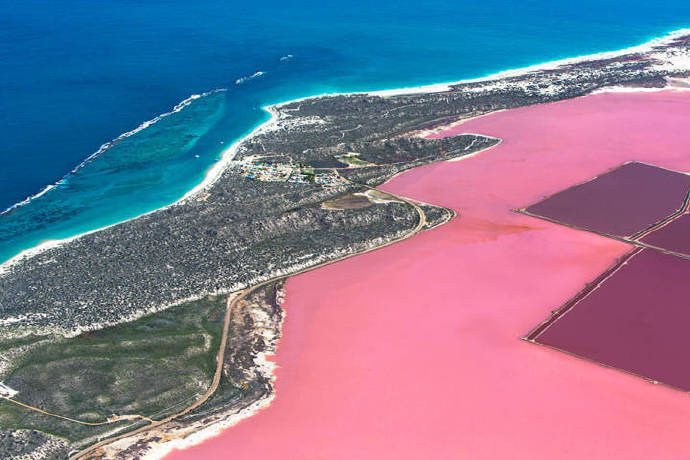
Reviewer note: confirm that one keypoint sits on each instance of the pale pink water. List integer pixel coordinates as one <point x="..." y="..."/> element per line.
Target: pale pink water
<point x="414" y="351"/>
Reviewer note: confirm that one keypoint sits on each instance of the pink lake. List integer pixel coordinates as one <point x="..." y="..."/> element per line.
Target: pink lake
<point x="413" y="351"/>
<point x="636" y="320"/>
<point x="622" y="202"/>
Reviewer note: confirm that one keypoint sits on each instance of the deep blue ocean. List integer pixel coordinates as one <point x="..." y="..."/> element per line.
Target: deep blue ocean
<point x="76" y="74"/>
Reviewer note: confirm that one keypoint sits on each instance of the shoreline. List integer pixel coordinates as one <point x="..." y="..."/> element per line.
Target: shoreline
<point x="264" y="363"/>
<point x="267" y="360"/>
<point x="508" y="73"/>
<point x="510" y="231"/>
<point x="105" y="146"/>
<point x="214" y="430"/>
<point x="227" y="155"/>
<point x="210" y="177"/>
<point x="195" y="258"/>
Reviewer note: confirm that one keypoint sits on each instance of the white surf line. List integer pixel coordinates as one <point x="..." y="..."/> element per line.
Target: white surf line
<point x="228" y="155"/>
<point x="242" y="80"/>
<point x="104" y="147"/>
<point x="211" y="177"/>
<point x="549" y="65"/>
<point x="683" y="62"/>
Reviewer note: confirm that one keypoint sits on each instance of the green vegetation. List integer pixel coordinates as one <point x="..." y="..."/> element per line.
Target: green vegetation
<point x="151" y="367"/>
<point x="353" y="160"/>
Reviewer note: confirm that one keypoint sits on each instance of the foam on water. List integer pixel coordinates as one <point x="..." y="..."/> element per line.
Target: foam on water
<point x="239" y="81"/>
<point x="103" y="148"/>
<point x="150" y="158"/>
<point x="157" y="54"/>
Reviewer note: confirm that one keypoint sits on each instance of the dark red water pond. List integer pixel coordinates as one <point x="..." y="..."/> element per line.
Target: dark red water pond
<point x="674" y="236"/>
<point x="637" y="320"/>
<point x="621" y="202"/>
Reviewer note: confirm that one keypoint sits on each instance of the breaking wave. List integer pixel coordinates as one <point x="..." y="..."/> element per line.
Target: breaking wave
<point x="239" y="81"/>
<point x="103" y="148"/>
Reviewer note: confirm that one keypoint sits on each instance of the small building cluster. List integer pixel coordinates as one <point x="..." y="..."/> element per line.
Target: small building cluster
<point x="328" y="180"/>
<point x="286" y="172"/>
<point x="267" y="172"/>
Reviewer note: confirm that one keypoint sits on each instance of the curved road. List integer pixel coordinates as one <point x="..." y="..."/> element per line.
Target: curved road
<point x="233" y="299"/>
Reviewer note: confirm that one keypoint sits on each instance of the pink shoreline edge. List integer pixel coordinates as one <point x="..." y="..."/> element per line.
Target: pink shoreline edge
<point x="413" y="351"/>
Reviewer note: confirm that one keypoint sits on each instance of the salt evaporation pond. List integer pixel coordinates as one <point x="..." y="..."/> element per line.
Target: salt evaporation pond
<point x="636" y="320"/>
<point x="674" y="236"/>
<point x="634" y="316"/>
<point x="414" y="351"/>
<point x="621" y="202"/>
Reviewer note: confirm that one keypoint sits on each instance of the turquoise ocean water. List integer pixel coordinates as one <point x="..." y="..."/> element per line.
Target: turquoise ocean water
<point x="77" y="74"/>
